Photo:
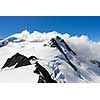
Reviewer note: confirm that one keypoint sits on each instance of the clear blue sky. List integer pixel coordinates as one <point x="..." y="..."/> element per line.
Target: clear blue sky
<point x="75" y="25"/>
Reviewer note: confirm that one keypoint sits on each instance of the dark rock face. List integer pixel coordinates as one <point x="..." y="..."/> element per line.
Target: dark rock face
<point x="5" y="42"/>
<point x="66" y="45"/>
<point x="33" y="58"/>
<point x="11" y="39"/>
<point x="19" y="60"/>
<point x="95" y="62"/>
<point x="41" y="79"/>
<point x="55" y="44"/>
<point x="44" y="76"/>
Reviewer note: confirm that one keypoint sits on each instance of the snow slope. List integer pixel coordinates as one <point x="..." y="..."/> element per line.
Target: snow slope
<point x="49" y="57"/>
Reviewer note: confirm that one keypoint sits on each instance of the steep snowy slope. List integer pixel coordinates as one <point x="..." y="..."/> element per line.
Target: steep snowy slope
<point x="55" y="55"/>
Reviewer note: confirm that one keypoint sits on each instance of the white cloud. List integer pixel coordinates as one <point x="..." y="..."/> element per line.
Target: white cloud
<point x="85" y="48"/>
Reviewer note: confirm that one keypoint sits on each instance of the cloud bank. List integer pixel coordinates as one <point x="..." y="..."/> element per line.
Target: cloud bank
<point x="86" y="49"/>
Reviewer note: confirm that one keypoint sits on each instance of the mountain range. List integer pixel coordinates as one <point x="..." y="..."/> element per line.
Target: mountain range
<point x="28" y="57"/>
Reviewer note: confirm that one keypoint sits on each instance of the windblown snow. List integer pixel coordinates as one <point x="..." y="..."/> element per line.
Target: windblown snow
<point x="51" y="58"/>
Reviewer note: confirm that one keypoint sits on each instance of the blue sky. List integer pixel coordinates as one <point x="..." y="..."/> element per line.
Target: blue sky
<point x="74" y="25"/>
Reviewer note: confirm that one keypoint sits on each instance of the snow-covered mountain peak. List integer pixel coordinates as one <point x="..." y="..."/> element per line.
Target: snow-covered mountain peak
<point x="57" y="54"/>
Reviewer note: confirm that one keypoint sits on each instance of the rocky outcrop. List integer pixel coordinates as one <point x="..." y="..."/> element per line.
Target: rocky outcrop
<point x="18" y="60"/>
<point x="44" y="76"/>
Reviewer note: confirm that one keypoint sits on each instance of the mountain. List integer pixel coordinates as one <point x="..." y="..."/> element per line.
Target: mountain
<point x="4" y="42"/>
<point x="56" y="57"/>
<point x="18" y="60"/>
